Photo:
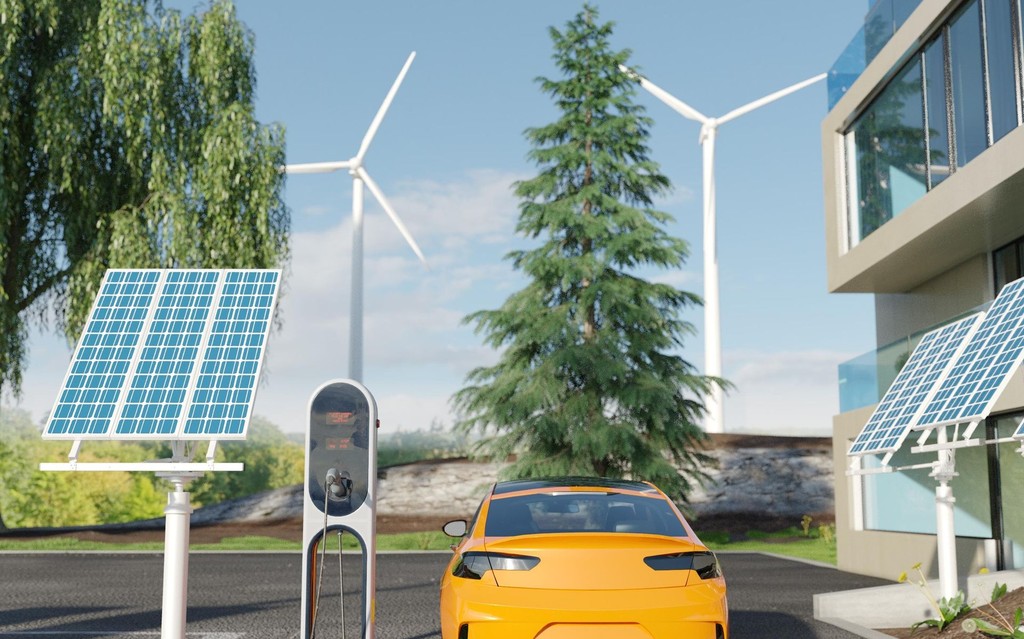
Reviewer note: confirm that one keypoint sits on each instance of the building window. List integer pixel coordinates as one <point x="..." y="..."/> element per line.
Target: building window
<point x="937" y="99"/>
<point x="966" y="74"/>
<point x="904" y="501"/>
<point x="1009" y="519"/>
<point x="956" y="96"/>
<point x="1008" y="263"/>
<point x="1002" y="28"/>
<point x="889" y="152"/>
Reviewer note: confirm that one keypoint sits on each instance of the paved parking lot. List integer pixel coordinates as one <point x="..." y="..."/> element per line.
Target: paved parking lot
<point x="257" y="595"/>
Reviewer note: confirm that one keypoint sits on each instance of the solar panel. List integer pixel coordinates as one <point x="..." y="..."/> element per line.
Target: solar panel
<point x="984" y="368"/>
<point x="168" y="354"/>
<point x="890" y="424"/>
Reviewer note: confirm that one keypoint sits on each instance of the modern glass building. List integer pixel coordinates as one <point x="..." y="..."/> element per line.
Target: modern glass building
<point x="923" y="151"/>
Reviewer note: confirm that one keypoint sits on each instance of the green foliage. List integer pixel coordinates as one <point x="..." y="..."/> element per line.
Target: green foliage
<point x="827" y="532"/>
<point x="587" y="382"/>
<point x="32" y="498"/>
<point x="805" y="525"/>
<point x="271" y="461"/>
<point x="129" y="140"/>
<point x="419" y="445"/>
<point x="998" y="591"/>
<point x="947" y="609"/>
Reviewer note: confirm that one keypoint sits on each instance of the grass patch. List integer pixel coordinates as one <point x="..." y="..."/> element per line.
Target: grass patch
<point x="780" y="543"/>
<point x="71" y="544"/>
<point x="400" y="541"/>
<point x="800" y="547"/>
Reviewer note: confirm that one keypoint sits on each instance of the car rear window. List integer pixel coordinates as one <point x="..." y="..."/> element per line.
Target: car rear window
<point x="581" y="512"/>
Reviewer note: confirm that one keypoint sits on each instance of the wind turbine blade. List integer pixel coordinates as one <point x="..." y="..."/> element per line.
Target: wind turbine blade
<point x="316" y="167"/>
<point x="372" y="131"/>
<point x="377" y="193"/>
<point x="756" y="104"/>
<point x="672" y="101"/>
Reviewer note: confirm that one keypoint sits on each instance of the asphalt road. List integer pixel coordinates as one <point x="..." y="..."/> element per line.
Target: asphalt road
<point x="257" y="595"/>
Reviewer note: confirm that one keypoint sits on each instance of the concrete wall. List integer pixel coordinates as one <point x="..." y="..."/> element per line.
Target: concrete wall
<point x="957" y="291"/>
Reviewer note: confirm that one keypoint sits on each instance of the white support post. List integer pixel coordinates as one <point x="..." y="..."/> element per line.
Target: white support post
<point x="73" y="453"/>
<point x="178" y="514"/>
<point x="944" y="472"/>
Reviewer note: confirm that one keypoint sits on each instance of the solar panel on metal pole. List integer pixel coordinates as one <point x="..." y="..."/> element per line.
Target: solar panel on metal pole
<point x="981" y="373"/>
<point x="891" y="422"/>
<point x="956" y="402"/>
<point x="167" y="355"/>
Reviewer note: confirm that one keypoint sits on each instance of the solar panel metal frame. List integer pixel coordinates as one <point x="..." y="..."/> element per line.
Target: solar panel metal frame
<point x="895" y="414"/>
<point x="185" y="400"/>
<point x="984" y="368"/>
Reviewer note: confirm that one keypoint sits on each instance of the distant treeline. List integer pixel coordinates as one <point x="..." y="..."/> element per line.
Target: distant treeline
<point x="30" y="497"/>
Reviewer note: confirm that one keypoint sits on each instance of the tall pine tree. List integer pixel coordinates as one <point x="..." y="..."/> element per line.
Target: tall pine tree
<point x="587" y="383"/>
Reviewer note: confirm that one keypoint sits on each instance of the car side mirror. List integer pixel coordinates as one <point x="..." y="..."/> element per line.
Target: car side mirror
<point x="456" y="528"/>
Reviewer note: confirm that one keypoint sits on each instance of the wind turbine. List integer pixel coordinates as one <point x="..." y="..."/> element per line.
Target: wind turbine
<point x="715" y="422"/>
<point x="359" y="178"/>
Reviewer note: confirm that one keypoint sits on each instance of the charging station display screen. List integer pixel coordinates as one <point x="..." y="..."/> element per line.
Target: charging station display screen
<point x="339" y="449"/>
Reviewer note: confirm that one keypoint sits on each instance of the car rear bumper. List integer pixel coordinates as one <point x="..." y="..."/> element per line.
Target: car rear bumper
<point x="490" y="612"/>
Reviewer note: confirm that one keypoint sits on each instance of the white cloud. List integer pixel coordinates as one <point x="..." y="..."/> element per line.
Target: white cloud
<point x="783" y="393"/>
<point x="412" y="316"/>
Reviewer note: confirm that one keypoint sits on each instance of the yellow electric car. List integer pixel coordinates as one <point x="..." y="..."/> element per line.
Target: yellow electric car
<point x="580" y="558"/>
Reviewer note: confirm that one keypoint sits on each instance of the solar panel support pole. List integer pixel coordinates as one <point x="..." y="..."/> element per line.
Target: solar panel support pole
<point x="945" y="538"/>
<point x="177" y="518"/>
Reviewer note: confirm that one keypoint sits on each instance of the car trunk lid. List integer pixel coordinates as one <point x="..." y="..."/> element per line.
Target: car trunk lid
<point x="592" y="561"/>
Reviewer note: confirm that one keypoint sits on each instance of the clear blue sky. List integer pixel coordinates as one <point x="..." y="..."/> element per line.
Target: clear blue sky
<point x="450" y="148"/>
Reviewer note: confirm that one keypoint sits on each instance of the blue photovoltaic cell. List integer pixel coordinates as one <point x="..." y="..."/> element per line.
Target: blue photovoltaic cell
<point x="894" y="415"/>
<point x="170" y="354"/>
<point x="92" y="388"/>
<point x="983" y="369"/>
<point x="230" y="364"/>
<point x="156" y="393"/>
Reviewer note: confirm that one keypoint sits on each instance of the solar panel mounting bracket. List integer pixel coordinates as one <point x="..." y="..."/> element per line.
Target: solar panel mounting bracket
<point x="180" y="463"/>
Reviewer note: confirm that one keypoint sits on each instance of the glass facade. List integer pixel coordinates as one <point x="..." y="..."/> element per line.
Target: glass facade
<point x="966" y="75"/>
<point x="936" y="98"/>
<point x="1008" y="516"/>
<point x="904" y="501"/>
<point x="955" y="97"/>
<point x="1002" y="40"/>
<point x="985" y="489"/>
<point x="884" y="18"/>
<point x="890" y="152"/>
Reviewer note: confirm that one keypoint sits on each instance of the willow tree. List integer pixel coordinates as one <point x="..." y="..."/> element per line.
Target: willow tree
<point x="589" y="381"/>
<point x="128" y="140"/>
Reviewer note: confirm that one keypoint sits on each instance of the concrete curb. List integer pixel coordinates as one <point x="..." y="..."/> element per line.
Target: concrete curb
<point x="853" y="628"/>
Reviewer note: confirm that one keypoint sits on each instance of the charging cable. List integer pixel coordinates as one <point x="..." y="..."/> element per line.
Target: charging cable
<point x="332" y="476"/>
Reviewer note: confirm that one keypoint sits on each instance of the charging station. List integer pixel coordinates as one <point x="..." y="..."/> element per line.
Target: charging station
<point x="341" y="489"/>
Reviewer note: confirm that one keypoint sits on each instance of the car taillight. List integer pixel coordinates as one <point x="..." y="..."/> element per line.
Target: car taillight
<point x="705" y="564"/>
<point x="473" y="565"/>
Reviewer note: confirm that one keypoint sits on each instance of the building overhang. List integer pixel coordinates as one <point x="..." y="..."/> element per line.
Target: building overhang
<point x="976" y="210"/>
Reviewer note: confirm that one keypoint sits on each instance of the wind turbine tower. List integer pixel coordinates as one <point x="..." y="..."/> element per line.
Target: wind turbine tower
<point x="715" y="422"/>
<point x="359" y="178"/>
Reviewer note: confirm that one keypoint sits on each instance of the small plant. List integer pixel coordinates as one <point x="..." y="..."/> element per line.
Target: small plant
<point x="946" y="609"/>
<point x="1003" y="629"/>
<point x="998" y="591"/>
<point x="805" y="524"/>
<point x="827" y="533"/>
